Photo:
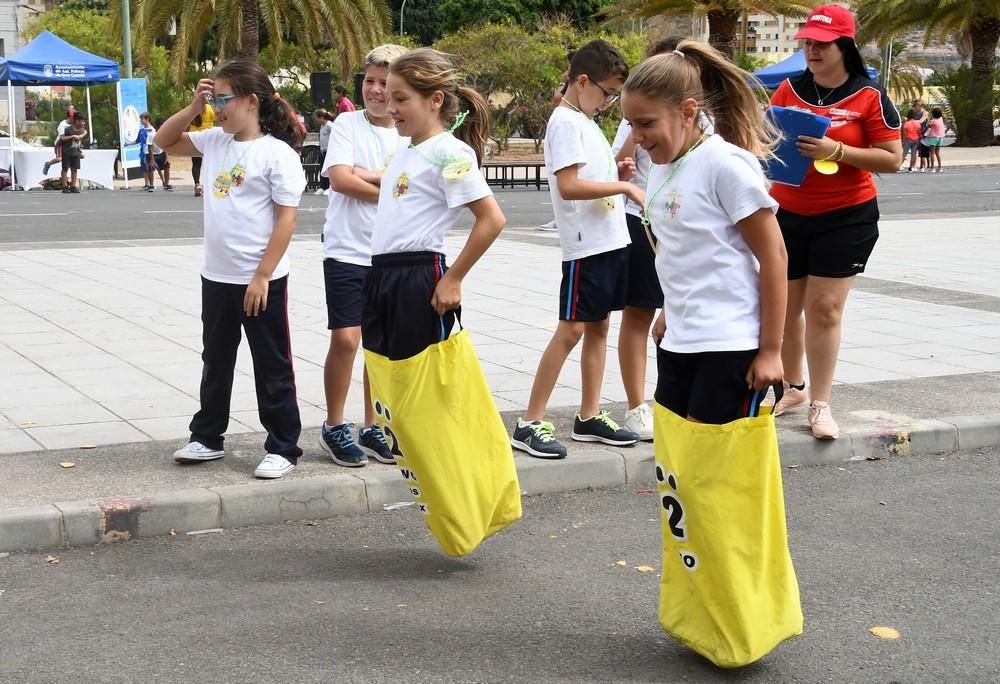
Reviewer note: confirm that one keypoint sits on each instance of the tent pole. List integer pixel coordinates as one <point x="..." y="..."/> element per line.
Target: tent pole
<point x="11" y="118"/>
<point x="90" y="119"/>
<point x="121" y="133"/>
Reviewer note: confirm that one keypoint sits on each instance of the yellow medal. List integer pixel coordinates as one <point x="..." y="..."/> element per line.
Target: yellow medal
<point x="609" y="203"/>
<point x="222" y="185"/>
<point x="826" y="167"/>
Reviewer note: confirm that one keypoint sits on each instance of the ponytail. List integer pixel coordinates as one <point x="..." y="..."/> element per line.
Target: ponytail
<point x="274" y="114"/>
<point x="719" y="87"/>
<point x="278" y="118"/>
<point x="474" y="131"/>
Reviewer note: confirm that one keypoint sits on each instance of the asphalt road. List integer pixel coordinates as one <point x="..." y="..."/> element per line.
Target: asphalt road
<point x="909" y="543"/>
<point x="133" y="214"/>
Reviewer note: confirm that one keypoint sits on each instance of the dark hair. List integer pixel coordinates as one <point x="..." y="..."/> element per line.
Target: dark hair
<point x="159" y="121"/>
<point x="668" y="44"/>
<point x="853" y="61"/>
<point x="274" y="114"/>
<point x="599" y="60"/>
<point x="341" y="90"/>
<point x="80" y="116"/>
<point x="144" y="115"/>
<point x="427" y="71"/>
<point x="197" y="120"/>
<point x="936" y="113"/>
<point x="912" y="114"/>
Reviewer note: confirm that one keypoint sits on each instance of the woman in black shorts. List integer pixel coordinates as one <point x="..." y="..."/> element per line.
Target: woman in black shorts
<point x="830" y="222"/>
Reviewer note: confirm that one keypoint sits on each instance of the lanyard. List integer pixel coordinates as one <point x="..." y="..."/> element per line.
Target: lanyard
<point x="242" y="158"/>
<point x="644" y="217"/>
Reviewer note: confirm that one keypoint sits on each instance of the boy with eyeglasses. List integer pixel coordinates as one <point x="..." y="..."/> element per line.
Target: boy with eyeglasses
<point x="587" y="187"/>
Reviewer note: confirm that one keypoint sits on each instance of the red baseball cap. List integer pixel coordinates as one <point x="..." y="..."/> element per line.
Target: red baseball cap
<point x="827" y="23"/>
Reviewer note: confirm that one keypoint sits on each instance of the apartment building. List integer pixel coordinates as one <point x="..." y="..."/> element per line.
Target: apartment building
<point x="14" y="14"/>
<point x="770" y="36"/>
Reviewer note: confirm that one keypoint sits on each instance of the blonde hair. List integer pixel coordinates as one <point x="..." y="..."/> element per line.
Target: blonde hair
<point x="701" y="72"/>
<point x="427" y="71"/>
<point x="384" y="55"/>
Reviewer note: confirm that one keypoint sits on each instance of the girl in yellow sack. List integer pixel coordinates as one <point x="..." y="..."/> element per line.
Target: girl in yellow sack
<point x="430" y="396"/>
<point x="728" y="590"/>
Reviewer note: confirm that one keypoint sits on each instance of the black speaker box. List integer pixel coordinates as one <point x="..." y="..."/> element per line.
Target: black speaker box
<point x="321" y="87"/>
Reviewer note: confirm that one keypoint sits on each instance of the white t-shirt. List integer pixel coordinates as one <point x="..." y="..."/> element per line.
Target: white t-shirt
<point x="586" y="227"/>
<point x="423" y="191"/>
<point x="61" y="128"/>
<point x="324" y="135"/>
<point x="347" y="234"/>
<point x="642" y="164"/>
<point x="151" y="141"/>
<point x="240" y="214"/>
<point x="709" y="276"/>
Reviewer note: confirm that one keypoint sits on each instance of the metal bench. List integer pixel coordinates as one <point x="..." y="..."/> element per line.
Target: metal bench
<point x="513" y="174"/>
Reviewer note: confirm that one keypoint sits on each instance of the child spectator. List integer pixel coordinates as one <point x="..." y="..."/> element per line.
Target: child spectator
<point x="586" y="185"/>
<point x="935" y="134"/>
<point x="57" y="145"/>
<point x="911" y="140"/>
<point x="146" y="162"/>
<point x="72" y="151"/>
<point x="160" y="159"/>
<point x="324" y="120"/>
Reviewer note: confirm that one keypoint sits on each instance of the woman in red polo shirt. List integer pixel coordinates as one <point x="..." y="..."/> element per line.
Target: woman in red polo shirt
<point x="830" y="222"/>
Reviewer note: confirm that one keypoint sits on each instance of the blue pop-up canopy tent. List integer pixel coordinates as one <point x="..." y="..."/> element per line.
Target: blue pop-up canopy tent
<point x="50" y="60"/>
<point x="773" y="75"/>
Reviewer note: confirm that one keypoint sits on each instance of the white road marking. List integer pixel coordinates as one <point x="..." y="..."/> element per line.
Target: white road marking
<point x="173" y="211"/>
<point x="59" y="213"/>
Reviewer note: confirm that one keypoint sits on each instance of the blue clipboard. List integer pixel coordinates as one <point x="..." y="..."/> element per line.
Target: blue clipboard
<point x="790" y="166"/>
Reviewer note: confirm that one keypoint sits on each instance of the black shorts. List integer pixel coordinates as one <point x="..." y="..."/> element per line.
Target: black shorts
<point x="397" y="319"/>
<point x="924" y="151"/>
<point x="594" y="286"/>
<point x="71" y="162"/>
<point x="836" y="244"/>
<point x="161" y="161"/>
<point x="643" y="284"/>
<point x="344" y="284"/>
<point x="710" y="387"/>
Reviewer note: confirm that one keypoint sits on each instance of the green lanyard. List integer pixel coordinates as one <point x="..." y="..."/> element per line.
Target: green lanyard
<point x="673" y="171"/>
<point x="611" y="160"/>
<point x="242" y="158"/>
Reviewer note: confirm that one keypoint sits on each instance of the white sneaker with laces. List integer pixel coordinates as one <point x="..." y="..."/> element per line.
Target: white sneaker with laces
<point x="549" y="227"/>
<point x="273" y="466"/>
<point x="640" y="421"/>
<point x="821" y="421"/>
<point x="196" y="452"/>
<point x="319" y="191"/>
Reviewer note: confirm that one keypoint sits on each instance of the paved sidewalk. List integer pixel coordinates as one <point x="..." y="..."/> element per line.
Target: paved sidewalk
<point x="100" y="345"/>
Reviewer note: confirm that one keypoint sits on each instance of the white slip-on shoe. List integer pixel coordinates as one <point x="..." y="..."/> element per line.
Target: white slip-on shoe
<point x="196" y="452"/>
<point x="273" y="466"/>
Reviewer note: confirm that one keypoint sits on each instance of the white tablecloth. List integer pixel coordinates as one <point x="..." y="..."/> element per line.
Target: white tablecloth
<point x="97" y="166"/>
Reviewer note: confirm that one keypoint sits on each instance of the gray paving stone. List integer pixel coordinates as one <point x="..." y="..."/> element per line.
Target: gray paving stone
<point x="30" y="527"/>
<point x="581" y="469"/>
<point x="297" y="499"/>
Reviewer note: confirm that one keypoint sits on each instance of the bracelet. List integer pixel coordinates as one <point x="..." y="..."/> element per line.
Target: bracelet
<point x="843" y="152"/>
<point x="839" y="149"/>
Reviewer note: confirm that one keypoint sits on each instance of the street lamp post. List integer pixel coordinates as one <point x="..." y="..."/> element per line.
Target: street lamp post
<point x="402" y="8"/>
<point x="127" y="38"/>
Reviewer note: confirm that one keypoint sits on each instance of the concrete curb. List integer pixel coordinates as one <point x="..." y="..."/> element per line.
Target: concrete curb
<point x="79" y="523"/>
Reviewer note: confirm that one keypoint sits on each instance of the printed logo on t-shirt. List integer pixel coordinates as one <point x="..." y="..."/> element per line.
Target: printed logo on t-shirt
<point x="227" y="180"/>
<point x="673" y="204"/>
<point x="456" y="169"/>
<point x="401" y="186"/>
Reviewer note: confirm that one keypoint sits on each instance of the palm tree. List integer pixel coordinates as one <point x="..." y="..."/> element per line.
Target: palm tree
<point x="978" y="19"/>
<point x="723" y="15"/>
<point x="905" y="76"/>
<point x="354" y="26"/>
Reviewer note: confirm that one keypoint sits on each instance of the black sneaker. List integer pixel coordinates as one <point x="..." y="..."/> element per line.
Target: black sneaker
<point x="372" y="442"/>
<point x="339" y="442"/>
<point x="601" y="428"/>
<point x="537" y="439"/>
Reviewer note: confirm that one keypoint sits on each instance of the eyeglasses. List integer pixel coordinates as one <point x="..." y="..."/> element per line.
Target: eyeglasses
<point x="609" y="97"/>
<point x="218" y="103"/>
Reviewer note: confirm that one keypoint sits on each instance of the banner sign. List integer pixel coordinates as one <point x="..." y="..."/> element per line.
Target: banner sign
<point x="131" y="103"/>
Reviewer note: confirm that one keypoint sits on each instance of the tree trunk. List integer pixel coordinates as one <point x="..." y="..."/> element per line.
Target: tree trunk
<point x="722" y="31"/>
<point x="249" y="29"/>
<point x="985" y="34"/>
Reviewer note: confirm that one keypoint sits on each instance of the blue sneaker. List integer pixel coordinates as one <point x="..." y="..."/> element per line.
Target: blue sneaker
<point x="45" y="168"/>
<point x="373" y="443"/>
<point x="339" y="442"/>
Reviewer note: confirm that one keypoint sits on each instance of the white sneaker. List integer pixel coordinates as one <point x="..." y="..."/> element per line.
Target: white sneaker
<point x="327" y="192"/>
<point x="640" y="421"/>
<point x="319" y="191"/>
<point x="549" y="227"/>
<point x="273" y="466"/>
<point x="196" y="452"/>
